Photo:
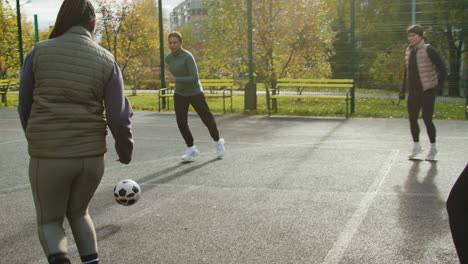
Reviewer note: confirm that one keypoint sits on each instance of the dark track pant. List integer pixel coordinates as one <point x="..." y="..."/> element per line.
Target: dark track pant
<point x="425" y="101"/>
<point x="457" y="208"/>
<point x="198" y="102"/>
<point x="64" y="188"/>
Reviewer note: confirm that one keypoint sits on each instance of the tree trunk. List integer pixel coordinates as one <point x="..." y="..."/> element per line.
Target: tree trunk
<point x="135" y="85"/>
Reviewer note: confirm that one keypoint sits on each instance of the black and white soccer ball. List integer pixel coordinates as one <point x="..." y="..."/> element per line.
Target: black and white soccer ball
<point x="127" y="192"/>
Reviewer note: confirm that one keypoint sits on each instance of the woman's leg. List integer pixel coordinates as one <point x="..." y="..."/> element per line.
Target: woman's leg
<point x="414" y="106"/>
<point x="181" y="105"/>
<point x="201" y="107"/>
<point x="457" y="208"/>
<point x="82" y="190"/>
<point x="51" y="180"/>
<point x="428" y="102"/>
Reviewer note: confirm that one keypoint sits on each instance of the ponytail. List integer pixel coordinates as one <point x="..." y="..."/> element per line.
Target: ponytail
<point x="73" y="13"/>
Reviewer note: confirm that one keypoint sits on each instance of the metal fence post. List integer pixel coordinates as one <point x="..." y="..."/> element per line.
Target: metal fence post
<point x="36" y="29"/>
<point x="353" y="56"/>
<point x="161" y="51"/>
<point x="20" y="35"/>
<point x="250" y="94"/>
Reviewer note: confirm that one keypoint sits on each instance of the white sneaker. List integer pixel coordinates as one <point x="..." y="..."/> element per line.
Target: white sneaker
<point x="190" y="153"/>
<point x="416" y="150"/>
<point x="432" y="153"/>
<point x="220" y="148"/>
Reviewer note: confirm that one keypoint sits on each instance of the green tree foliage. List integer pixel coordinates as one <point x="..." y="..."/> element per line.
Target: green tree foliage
<point x="341" y="58"/>
<point x="447" y="24"/>
<point x="44" y="34"/>
<point x="9" y="54"/>
<point x="381" y="26"/>
<point x="129" y="29"/>
<point x="226" y="36"/>
<point x="291" y="38"/>
<point x="194" y="43"/>
<point x="387" y="69"/>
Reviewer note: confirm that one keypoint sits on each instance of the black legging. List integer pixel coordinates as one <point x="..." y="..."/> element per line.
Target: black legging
<point x="426" y="101"/>
<point x="198" y="102"/>
<point x="457" y="208"/>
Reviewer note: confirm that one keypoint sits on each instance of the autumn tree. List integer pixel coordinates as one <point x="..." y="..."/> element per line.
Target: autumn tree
<point x="447" y="25"/>
<point x="291" y="38"/>
<point x="340" y="59"/>
<point x="195" y="43"/>
<point x="9" y="51"/>
<point x="226" y="37"/>
<point x="129" y="29"/>
<point x="44" y="34"/>
<point x="381" y="28"/>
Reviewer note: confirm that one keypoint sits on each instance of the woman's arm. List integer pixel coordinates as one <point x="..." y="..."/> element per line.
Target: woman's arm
<point x="118" y="113"/>
<point x="403" y="86"/>
<point x="439" y="63"/>
<point x="26" y="88"/>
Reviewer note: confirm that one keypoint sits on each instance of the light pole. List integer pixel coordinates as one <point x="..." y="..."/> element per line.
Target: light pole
<point x="161" y="51"/>
<point x="413" y="13"/>
<point x="250" y="98"/>
<point x="353" y="54"/>
<point x="36" y="29"/>
<point x="20" y="35"/>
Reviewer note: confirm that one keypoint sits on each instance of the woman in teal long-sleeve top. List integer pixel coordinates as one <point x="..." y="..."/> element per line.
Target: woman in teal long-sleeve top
<point x="188" y="91"/>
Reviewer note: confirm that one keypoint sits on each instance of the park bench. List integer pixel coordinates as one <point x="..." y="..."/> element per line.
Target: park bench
<point x="213" y="88"/>
<point x="6" y="85"/>
<point x="323" y="89"/>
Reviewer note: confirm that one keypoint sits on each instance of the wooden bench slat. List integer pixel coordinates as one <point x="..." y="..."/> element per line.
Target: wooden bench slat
<point x="332" y="97"/>
<point x="302" y="87"/>
<point x="284" y="80"/>
<point x="217" y="80"/>
<point x="214" y="88"/>
<point x="5" y="85"/>
<point x="324" y="85"/>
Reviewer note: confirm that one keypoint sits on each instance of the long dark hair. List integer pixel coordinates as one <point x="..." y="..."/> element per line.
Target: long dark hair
<point x="73" y="13"/>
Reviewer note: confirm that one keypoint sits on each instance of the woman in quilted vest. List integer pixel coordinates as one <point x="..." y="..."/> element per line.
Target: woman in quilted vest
<point x="424" y="74"/>
<point x="67" y="83"/>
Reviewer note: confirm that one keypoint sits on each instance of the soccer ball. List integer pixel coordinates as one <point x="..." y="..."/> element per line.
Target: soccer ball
<point x="127" y="192"/>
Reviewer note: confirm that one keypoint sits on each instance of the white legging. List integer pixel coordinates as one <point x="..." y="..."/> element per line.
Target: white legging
<point x="63" y="188"/>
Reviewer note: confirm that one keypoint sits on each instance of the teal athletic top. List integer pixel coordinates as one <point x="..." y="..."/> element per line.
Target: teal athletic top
<point x="183" y="66"/>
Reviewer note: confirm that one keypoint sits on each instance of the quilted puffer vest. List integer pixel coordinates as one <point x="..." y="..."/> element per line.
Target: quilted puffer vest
<point x="67" y="115"/>
<point x="426" y="69"/>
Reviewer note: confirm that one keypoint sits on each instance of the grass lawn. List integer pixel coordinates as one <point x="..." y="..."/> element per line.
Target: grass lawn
<point x="364" y="107"/>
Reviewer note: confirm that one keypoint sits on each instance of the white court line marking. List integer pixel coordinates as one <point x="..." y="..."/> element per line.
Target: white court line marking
<point x="16" y="187"/>
<point x="306" y="145"/>
<point x="14" y="130"/>
<point x="337" y="251"/>
<point x="14" y="141"/>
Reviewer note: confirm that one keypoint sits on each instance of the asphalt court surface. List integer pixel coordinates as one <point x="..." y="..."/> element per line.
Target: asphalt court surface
<point x="289" y="190"/>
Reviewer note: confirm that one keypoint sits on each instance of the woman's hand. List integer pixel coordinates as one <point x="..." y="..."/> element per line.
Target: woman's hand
<point x="170" y="77"/>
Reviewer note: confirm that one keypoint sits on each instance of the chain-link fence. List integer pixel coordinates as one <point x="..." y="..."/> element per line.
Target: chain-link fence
<point x="360" y="40"/>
